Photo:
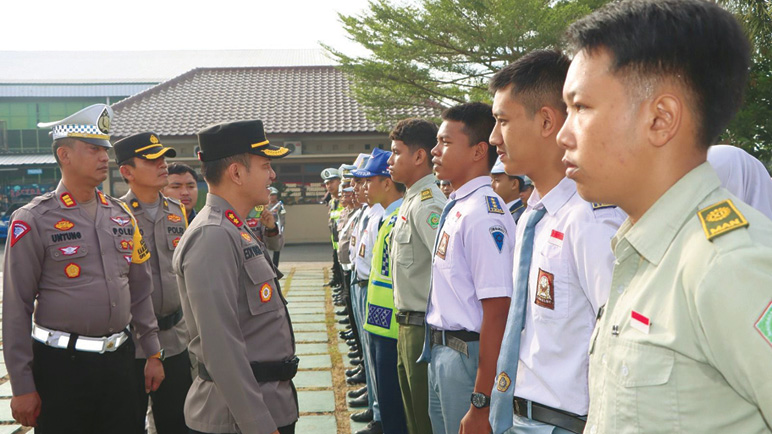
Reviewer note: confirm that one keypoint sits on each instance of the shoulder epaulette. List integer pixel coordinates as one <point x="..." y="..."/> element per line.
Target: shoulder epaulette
<point x="426" y="194"/>
<point x="597" y="205"/>
<point x="494" y="207"/>
<point x="720" y="218"/>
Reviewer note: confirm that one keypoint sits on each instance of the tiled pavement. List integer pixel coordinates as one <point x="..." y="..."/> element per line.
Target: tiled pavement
<point x="323" y="408"/>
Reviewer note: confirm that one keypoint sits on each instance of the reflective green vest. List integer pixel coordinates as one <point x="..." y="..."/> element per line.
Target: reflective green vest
<point x="381" y="313"/>
<point x="334" y="216"/>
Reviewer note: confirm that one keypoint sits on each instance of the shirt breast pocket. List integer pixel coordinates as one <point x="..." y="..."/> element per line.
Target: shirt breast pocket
<point x="402" y="239"/>
<point x="67" y="258"/>
<point x="262" y="293"/>
<point x="552" y="295"/>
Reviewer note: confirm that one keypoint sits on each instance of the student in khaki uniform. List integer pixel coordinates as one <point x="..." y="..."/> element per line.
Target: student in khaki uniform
<point x="76" y="259"/>
<point x="684" y="343"/>
<point x="237" y="318"/>
<point x="414" y="232"/>
<point x="161" y="220"/>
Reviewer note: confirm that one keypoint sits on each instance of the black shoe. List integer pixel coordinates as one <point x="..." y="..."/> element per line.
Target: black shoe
<point x="362" y="416"/>
<point x="358" y="402"/>
<point x="341" y="312"/>
<point x="339" y="303"/>
<point x="344" y="334"/>
<point x="357" y="393"/>
<point x="355" y="354"/>
<point x="353" y="371"/>
<point x="356" y="379"/>
<point x="355" y="362"/>
<point x="374" y="427"/>
<point x="351" y="342"/>
<point x="344" y="321"/>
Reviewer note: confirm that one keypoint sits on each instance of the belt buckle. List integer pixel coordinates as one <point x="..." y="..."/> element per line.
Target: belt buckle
<point x="53" y="338"/>
<point x="110" y="343"/>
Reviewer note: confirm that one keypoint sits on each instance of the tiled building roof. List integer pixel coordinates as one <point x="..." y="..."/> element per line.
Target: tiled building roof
<point x="287" y="99"/>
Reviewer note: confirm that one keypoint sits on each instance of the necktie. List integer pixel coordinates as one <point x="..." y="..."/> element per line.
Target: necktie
<point x="509" y="356"/>
<point x="426" y="354"/>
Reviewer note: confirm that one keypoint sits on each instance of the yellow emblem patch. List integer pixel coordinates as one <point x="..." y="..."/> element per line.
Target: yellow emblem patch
<point x="64" y="225"/>
<point x="102" y="198"/>
<point x="426" y="194"/>
<point x="67" y="200"/>
<point x="153" y="139"/>
<point x="174" y="218"/>
<point x="246" y="236"/>
<point x="721" y="218"/>
<point x="72" y="270"/>
<point x="502" y="382"/>
<point x="276" y="152"/>
<point x="230" y="215"/>
<point x="176" y="241"/>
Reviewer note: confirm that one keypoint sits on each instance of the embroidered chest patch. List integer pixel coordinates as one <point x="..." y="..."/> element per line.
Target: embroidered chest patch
<point x="121" y="221"/>
<point x="72" y="270"/>
<point x="69" y="250"/>
<point x="174" y="218"/>
<point x="64" y="225"/>
<point x="545" y="290"/>
<point x="266" y="293"/>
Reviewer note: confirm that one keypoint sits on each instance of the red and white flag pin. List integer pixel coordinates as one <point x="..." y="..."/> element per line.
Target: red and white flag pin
<point x="640" y="322"/>
<point x="556" y="238"/>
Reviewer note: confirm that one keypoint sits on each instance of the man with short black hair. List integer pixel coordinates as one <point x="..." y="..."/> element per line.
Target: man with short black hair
<point x="469" y="298"/>
<point x="685" y="340"/>
<point x="240" y="330"/>
<point x="183" y="186"/>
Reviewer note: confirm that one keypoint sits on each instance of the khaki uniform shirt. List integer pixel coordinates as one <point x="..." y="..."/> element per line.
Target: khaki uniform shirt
<point x="235" y="315"/>
<point x="411" y="249"/>
<point x="346" y="226"/>
<point x="684" y="344"/>
<point x="79" y="275"/>
<point x="161" y="235"/>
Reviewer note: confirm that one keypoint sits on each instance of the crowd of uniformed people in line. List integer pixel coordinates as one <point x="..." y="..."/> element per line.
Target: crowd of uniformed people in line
<point x="578" y="256"/>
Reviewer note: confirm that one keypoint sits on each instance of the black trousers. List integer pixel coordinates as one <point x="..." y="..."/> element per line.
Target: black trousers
<point x="276" y="258"/>
<point x="289" y="429"/>
<point x="350" y="307"/>
<point x="85" y="393"/>
<point x="169" y="399"/>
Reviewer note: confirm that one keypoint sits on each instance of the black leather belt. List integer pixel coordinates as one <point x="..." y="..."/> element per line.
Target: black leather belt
<point x="552" y="416"/>
<point x="406" y="317"/>
<point x="264" y="371"/>
<point x="360" y="282"/>
<point x="169" y="321"/>
<point x="455" y="339"/>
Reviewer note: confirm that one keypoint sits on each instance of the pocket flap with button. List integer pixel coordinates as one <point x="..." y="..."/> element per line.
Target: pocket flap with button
<point x="67" y="252"/>
<point x="402" y="237"/>
<point x="261" y="288"/>
<point x="639" y="365"/>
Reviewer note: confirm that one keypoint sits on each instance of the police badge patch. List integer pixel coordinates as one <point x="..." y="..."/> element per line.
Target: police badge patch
<point x="18" y="230"/>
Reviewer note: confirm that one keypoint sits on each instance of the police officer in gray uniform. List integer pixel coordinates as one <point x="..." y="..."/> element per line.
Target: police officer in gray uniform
<point x="239" y="325"/>
<point x="162" y="221"/>
<point x="75" y="275"/>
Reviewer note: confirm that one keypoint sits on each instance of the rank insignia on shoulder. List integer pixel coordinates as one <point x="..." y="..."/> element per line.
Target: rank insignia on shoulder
<point x="233" y="219"/>
<point x="67" y="200"/>
<point x="764" y="324"/>
<point x="18" y="229"/>
<point x="174" y="218"/>
<point x="721" y="218"/>
<point x="502" y="382"/>
<point x="598" y="205"/>
<point x="64" y="225"/>
<point x="426" y="194"/>
<point x="246" y="237"/>
<point x="494" y="207"/>
<point x="433" y="220"/>
<point x="497" y="232"/>
<point x="72" y="270"/>
<point x="266" y="292"/>
<point x="102" y="198"/>
<point x="135" y="204"/>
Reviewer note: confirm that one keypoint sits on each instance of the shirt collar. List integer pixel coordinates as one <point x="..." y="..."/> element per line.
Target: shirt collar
<point x="555" y="199"/>
<point x="394" y="205"/>
<point x="420" y="185"/>
<point x="669" y="213"/>
<point x="470" y="187"/>
<point x="515" y="203"/>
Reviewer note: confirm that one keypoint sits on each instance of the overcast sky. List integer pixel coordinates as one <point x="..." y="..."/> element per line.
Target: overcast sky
<point x="173" y="24"/>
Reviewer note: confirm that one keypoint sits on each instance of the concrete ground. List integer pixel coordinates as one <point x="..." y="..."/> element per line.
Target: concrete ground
<point x="323" y="356"/>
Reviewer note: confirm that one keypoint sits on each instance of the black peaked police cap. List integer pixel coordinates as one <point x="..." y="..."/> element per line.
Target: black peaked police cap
<point x="234" y="138"/>
<point x="142" y="145"/>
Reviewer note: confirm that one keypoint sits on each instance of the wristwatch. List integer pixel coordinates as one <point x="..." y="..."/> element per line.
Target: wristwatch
<point x="480" y="400"/>
<point x="159" y="355"/>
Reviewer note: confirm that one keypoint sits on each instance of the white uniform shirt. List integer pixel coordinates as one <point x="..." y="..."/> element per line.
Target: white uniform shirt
<point x="569" y="281"/>
<point x="366" y="240"/>
<point x="473" y="251"/>
<point x="356" y="234"/>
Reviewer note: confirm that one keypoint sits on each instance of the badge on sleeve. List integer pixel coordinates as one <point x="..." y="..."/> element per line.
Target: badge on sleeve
<point x="498" y="232"/>
<point x="442" y="246"/>
<point x="494" y="207"/>
<point x="721" y="218"/>
<point x="764" y="324"/>
<point x="18" y="229"/>
<point x="545" y="290"/>
<point x="426" y="194"/>
<point x="64" y="225"/>
<point x="266" y="292"/>
<point x="433" y="220"/>
<point x="72" y="270"/>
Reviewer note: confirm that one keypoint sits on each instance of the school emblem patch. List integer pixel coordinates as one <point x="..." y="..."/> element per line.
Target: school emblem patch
<point x="442" y="246"/>
<point x="502" y="382"/>
<point x="494" y="207"/>
<point x="120" y="221"/>
<point x="545" y="290"/>
<point x="72" y="270"/>
<point x="174" y="218"/>
<point x="764" y="324"/>
<point x="433" y="220"/>
<point x="230" y="215"/>
<point x="498" y="232"/>
<point x="18" y="229"/>
<point x="426" y="194"/>
<point x="64" y="225"/>
<point x="69" y="250"/>
<point x="721" y="218"/>
<point x="266" y="292"/>
<point x="67" y="200"/>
